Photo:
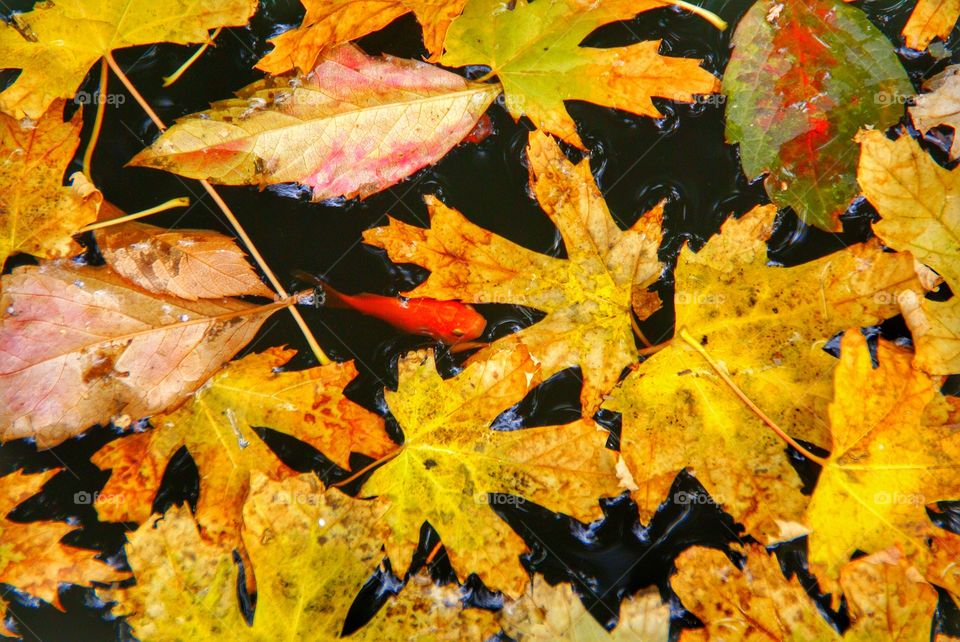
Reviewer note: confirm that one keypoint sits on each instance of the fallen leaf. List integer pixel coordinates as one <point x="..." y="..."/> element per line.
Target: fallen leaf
<point x="329" y="23"/>
<point x="354" y="126"/>
<point x="895" y="450"/>
<point x="190" y="264"/>
<point x="799" y="87"/>
<point x="534" y="50"/>
<point x="587" y="297"/>
<point x="940" y="105"/>
<point x="546" y="613"/>
<point x="217" y="428"/>
<point x="37" y="213"/>
<point x="765" y="326"/>
<point x="753" y="604"/>
<point x="931" y="19"/>
<point x="32" y="559"/>
<point x="79" y="345"/>
<point x="451" y="461"/>
<point x="888" y="599"/>
<point x="935" y="327"/>
<point x="56" y="44"/>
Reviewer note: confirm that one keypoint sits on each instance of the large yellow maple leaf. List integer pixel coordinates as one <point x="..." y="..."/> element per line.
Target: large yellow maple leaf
<point x="762" y="327"/>
<point x="329" y="23"/>
<point x="57" y="43"/>
<point x="37" y="213"/>
<point x="896" y="449"/>
<point x="451" y="461"/>
<point x="534" y="50"/>
<point x="919" y="202"/>
<point x="32" y="559"/>
<point x="587" y="297"/>
<point x="217" y="429"/>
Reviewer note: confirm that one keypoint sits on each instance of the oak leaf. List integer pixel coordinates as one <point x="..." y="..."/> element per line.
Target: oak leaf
<point x="940" y="105"/>
<point x="80" y="345"/>
<point x="354" y="126"/>
<point x="329" y="23"/>
<point x="546" y="613"/>
<point x="32" y="559"/>
<point x="534" y="50"/>
<point x="931" y="19"/>
<point x="217" y="428"/>
<point x="918" y="204"/>
<point x="452" y="460"/>
<point x="587" y="297"/>
<point x="753" y="604"/>
<point x="895" y="450"/>
<point x="37" y="213"/>
<point x="764" y="327"/>
<point x="190" y="264"/>
<point x="799" y="86"/>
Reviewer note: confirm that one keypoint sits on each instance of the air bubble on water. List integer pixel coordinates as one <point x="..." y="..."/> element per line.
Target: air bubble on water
<point x="78" y="283"/>
<point x="184" y="318"/>
<point x="10" y="310"/>
<point x="321" y="522"/>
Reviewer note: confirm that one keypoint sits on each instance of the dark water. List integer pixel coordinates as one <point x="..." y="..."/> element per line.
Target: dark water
<point x="637" y="162"/>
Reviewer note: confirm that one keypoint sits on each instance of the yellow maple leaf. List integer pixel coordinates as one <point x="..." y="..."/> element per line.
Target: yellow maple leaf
<point x="919" y="203"/>
<point x="763" y="328"/>
<point x="329" y="23"/>
<point x="32" y="559"/>
<point x="57" y="43"/>
<point x="940" y="105"/>
<point x="451" y="461"/>
<point x="534" y="50"/>
<point x="753" y="604"/>
<point x="217" y="429"/>
<point x="547" y="613"/>
<point x="895" y="449"/>
<point x="931" y="19"/>
<point x="587" y="297"/>
<point x="37" y="213"/>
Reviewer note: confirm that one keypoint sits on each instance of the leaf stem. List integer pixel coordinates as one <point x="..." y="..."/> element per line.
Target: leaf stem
<point x="433" y="552"/>
<point x="367" y="468"/>
<point x="183" y="201"/>
<point x="175" y="76"/>
<point x="709" y="16"/>
<point x="237" y="228"/>
<point x="720" y="370"/>
<point x="97" y="121"/>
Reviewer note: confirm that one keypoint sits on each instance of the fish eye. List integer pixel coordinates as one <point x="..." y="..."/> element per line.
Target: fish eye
<point x="457" y="332"/>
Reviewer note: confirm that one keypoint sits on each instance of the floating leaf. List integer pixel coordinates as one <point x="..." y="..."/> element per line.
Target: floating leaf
<point x="940" y="105"/>
<point x="931" y="19"/>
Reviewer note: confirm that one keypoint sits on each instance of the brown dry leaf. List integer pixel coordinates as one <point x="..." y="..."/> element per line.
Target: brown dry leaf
<point x="587" y="297"/>
<point x="37" y="213"/>
<point x="941" y="105"/>
<point x="32" y="559"/>
<point x="80" y="345"/>
<point x="896" y="449"/>
<point x="888" y="599"/>
<point x="765" y="326"/>
<point x="451" y="461"/>
<point x="931" y="19"/>
<point x="756" y="604"/>
<point x="190" y="264"/>
<point x="56" y="44"/>
<point x="329" y="23"/>
<point x="555" y="613"/>
<point x="217" y="428"/>
<point x="354" y="126"/>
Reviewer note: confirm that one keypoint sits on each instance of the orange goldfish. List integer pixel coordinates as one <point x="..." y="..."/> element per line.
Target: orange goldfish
<point x="450" y="322"/>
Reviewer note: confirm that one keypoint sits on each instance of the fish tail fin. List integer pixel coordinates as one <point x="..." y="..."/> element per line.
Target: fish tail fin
<point x="329" y="297"/>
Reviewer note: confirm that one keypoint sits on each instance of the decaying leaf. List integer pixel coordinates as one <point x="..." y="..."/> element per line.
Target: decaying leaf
<point x="56" y="44"/>
<point x="799" y="87"/>
<point x="534" y="50"/>
<point x="190" y="264"/>
<point x="217" y="429"/>
<point x="753" y="604"/>
<point x="329" y="23"/>
<point x="920" y="212"/>
<point x="354" y="126"/>
<point x="451" y="461"/>
<point x="37" y="213"/>
<point x="941" y="104"/>
<point x="587" y="297"/>
<point x="895" y="449"/>
<point x="931" y="19"/>
<point x="32" y="559"/>
<point x="765" y="327"/>
<point x="80" y="345"/>
<point x="546" y="613"/>
<point x="888" y="599"/>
